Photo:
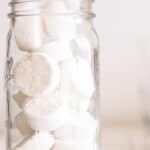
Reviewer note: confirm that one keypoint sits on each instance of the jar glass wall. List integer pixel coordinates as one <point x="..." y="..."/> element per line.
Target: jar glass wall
<point x="52" y="76"/>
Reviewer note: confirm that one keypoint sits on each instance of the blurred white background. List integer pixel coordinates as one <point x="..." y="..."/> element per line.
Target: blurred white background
<point x="124" y="30"/>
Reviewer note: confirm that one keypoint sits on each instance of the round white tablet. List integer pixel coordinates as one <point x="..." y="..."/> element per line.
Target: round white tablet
<point x="72" y="145"/>
<point x="28" y="33"/>
<point x="80" y="127"/>
<point x="22" y="125"/>
<point x="35" y="73"/>
<point x="46" y="113"/>
<point x="41" y="140"/>
<point x="57" y="50"/>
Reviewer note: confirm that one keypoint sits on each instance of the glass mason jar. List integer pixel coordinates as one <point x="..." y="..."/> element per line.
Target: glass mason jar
<point x="52" y="76"/>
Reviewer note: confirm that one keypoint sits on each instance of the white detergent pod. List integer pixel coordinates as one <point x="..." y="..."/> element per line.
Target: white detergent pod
<point x="84" y="44"/>
<point x="39" y="141"/>
<point x="80" y="127"/>
<point x="46" y="113"/>
<point x="82" y="47"/>
<point x="58" y="50"/>
<point x="36" y="73"/>
<point x="78" y="102"/>
<point x="72" y="145"/>
<point x="85" y="30"/>
<point x="20" y="99"/>
<point x="81" y="75"/>
<point x="22" y="125"/>
<point x="59" y="26"/>
<point x="83" y="27"/>
<point x="28" y="33"/>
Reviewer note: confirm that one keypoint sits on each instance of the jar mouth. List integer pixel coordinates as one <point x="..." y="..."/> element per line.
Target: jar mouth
<point x="21" y="8"/>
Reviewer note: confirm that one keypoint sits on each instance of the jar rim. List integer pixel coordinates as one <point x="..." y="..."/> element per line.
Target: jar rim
<point x="37" y="11"/>
<point x="13" y="2"/>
